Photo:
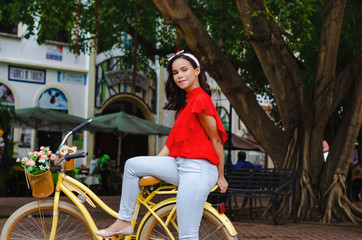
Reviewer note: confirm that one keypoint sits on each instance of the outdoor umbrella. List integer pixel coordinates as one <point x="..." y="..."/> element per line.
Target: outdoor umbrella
<point x="129" y="124"/>
<point x="240" y="143"/>
<point x="52" y="120"/>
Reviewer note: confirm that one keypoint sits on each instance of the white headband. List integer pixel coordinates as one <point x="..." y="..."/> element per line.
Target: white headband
<point x="186" y="54"/>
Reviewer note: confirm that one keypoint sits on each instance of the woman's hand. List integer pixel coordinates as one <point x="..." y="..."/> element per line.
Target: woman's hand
<point x="222" y="183"/>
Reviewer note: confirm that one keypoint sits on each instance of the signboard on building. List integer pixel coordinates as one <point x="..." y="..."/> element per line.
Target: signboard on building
<point x="54" y="53"/>
<point x="118" y="76"/>
<point x="53" y="98"/>
<point x="73" y="78"/>
<point x="30" y="75"/>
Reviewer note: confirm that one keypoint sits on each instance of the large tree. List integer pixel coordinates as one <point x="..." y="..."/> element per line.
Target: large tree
<point x="293" y="51"/>
<point x="304" y="112"/>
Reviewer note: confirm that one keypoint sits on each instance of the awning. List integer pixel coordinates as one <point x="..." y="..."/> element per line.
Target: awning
<point x="51" y="120"/>
<point x="119" y="123"/>
<point x="128" y="124"/>
<point x="240" y="143"/>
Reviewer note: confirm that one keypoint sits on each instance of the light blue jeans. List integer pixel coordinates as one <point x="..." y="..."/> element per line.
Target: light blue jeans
<point x="194" y="178"/>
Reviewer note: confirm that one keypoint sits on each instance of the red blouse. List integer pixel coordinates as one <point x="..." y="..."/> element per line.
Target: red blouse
<point x="187" y="138"/>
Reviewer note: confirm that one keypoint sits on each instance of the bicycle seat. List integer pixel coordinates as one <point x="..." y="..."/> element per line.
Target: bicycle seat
<point x="149" y="180"/>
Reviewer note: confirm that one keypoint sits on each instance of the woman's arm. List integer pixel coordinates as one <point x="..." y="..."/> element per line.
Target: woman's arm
<point x="164" y="152"/>
<point x="209" y="124"/>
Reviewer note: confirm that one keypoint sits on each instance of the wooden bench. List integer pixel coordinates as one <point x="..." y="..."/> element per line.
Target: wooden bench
<point x="259" y="183"/>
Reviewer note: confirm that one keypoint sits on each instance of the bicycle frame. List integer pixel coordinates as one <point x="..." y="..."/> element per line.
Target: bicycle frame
<point x="67" y="185"/>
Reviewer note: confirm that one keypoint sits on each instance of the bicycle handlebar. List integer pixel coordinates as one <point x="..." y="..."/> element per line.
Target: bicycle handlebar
<point x="68" y="156"/>
<point x="82" y="125"/>
<point x="77" y="128"/>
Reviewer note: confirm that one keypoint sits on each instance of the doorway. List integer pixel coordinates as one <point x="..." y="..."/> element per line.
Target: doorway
<point x="131" y="145"/>
<point x="47" y="138"/>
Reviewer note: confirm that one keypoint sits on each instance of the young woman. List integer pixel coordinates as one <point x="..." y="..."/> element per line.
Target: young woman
<point x="192" y="158"/>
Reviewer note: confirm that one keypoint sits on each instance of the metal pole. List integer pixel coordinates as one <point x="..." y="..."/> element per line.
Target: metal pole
<point x="229" y="132"/>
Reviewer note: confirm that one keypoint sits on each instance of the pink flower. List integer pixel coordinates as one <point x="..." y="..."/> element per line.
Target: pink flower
<point x="36" y="154"/>
<point x="53" y="157"/>
<point x="44" y="157"/>
<point x="30" y="163"/>
<point x="42" y="148"/>
<point x="30" y="153"/>
<point x="49" y="152"/>
<point x="41" y="153"/>
<point x="18" y="160"/>
<point x="24" y="159"/>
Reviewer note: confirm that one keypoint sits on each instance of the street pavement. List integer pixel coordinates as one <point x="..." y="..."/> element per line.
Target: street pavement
<point x="247" y="229"/>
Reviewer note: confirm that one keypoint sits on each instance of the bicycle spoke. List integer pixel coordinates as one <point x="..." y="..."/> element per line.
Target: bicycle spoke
<point x="35" y="223"/>
<point x="211" y="227"/>
<point x="23" y="231"/>
<point x="210" y="233"/>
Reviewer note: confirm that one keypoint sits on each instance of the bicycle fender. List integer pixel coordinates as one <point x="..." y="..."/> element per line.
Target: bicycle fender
<point x="154" y="208"/>
<point x="222" y="217"/>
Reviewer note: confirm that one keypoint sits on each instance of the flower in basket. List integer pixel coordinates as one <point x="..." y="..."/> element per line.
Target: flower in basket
<point x="37" y="162"/>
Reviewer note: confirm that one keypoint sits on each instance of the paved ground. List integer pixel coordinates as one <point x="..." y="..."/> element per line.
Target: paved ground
<point x="246" y="228"/>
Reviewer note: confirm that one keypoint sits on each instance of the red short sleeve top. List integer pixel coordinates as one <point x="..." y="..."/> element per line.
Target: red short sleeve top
<point x="187" y="138"/>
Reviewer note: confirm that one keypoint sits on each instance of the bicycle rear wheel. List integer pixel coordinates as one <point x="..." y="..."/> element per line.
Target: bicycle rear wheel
<point x="33" y="221"/>
<point x="210" y="228"/>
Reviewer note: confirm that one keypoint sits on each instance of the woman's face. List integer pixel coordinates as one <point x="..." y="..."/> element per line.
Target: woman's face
<point x="185" y="75"/>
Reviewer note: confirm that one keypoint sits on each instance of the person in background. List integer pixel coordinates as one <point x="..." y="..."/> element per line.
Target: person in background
<point x="241" y="163"/>
<point x="2" y="148"/>
<point x="104" y="169"/>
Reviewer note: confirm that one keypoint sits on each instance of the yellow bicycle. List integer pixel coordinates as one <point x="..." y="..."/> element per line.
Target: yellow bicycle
<point x="57" y="219"/>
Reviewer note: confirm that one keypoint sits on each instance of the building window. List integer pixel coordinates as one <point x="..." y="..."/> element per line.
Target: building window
<point x="63" y="36"/>
<point x="224" y="116"/>
<point x="6" y="96"/>
<point x="8" y="28"/>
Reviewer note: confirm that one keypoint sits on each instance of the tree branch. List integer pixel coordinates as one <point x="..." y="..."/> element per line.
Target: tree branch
<point x="328" y="49"/>
<point x="337" y="90"/>
<point x="152" y="51"/>
<point x="279" y="64"/>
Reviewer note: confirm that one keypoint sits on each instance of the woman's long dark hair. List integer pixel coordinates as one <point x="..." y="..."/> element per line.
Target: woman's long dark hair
<point x="176" y="97"/>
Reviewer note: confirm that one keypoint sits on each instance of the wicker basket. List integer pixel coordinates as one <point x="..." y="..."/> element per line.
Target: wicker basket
<point x="42" y="185"/>
<point x="69" y="165"/>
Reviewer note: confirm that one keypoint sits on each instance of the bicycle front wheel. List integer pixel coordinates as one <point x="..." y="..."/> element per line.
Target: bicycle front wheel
<point x="210" y="228"/>
<point x="34" y="221"/>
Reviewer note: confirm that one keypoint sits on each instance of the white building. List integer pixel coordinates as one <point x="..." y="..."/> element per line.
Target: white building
<point x="47" y="76"/>
<point x="50" y="76"/>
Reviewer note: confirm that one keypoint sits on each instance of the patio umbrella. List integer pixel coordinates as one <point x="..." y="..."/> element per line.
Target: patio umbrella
<point x="129" y="124"/>
<point x="51" y="120"/>
<point x="240" y="143"/>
